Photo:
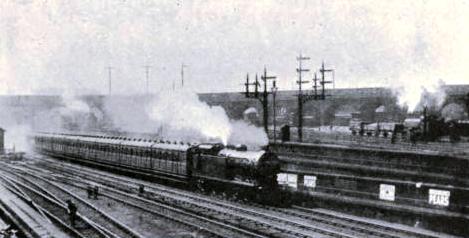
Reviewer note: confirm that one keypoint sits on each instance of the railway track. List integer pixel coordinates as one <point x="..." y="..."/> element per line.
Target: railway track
<point x="211" y="228"/>
<point x="112" y="227"/>
<point x="261" y="223"/>
<point x="29" y="225"/>
<point x="293" y="218"/>
<point x="380" y="230"/>
<point x="56" y="211"/>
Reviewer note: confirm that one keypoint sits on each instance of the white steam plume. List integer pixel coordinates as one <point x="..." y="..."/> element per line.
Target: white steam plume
<point x="177" y="115"/>
<point x="14" y="121"/>
<point x="72" y="114"/>
<point x="182" y="115"/>
<point x="415" y="93"/>
<point x="182" y="111"/>
<point x="247" y="134"/>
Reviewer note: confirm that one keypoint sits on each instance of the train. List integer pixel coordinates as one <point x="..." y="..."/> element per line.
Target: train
<point x="232" y="170"/>
<point x="429" y="128"/>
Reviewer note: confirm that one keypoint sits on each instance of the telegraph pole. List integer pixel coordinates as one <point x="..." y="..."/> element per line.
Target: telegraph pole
<point x="265" y="103"/>
<point x="147" y="76"/>
<point x="302" y="98"/>
<point x="274" y="121"/>
<point x="315" y="86"/>
<point x="182" y="74"/>
<point x="262" y="98"/>
<point x="300" y="82"/>
<point x="109" y="68"/>
<point x="323" y="81"/>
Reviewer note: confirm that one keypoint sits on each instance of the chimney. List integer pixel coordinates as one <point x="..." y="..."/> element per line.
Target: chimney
<point x="2" y="141"/>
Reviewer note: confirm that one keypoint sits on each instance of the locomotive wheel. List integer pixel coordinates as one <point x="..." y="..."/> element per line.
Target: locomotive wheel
<point x="200" y="185"/>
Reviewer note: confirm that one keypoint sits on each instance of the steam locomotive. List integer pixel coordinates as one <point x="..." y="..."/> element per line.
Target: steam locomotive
<point x="429" y="128"/>
<point x="248" y="174"/>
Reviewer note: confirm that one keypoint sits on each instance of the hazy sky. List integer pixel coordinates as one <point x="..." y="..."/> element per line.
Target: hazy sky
<point x="56" y="46"/>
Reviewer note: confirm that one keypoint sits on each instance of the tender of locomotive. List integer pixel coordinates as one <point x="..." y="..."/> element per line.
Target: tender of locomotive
<point x="249" y="174"/>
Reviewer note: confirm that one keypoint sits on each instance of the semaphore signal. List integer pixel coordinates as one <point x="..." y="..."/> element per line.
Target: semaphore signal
<point x="317" y="83"/>
<point x="263" y="98"/>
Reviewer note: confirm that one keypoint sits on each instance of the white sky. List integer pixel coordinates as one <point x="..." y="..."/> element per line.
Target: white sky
<point x="56" y="46"/>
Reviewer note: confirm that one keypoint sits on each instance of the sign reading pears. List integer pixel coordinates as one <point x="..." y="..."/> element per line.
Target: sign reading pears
<point x="438" y="197"/>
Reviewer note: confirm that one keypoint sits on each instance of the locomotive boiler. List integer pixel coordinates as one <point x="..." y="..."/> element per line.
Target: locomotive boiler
<point x="207" y="166"/>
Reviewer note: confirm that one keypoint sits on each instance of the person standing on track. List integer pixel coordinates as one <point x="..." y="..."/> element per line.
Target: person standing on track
<point x="89" y="191"/>
<point x="95" y="191"/>
<point x="141" y="190"/>
<point x="72" y="212"/>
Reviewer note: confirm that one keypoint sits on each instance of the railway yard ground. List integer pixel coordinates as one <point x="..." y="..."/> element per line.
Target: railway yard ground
<point x="111" y="205"/>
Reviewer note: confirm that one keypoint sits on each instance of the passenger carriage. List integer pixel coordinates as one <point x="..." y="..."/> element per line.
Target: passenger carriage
<point x="209" y="166"/>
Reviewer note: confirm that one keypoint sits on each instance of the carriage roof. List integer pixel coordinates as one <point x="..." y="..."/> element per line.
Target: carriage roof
<point x="121" y="141"/>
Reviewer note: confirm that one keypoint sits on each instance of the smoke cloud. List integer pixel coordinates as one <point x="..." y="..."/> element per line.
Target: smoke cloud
<point x="171" y="115"/>
<point x="414" y="94"/>
<point x="247" y="134"/>
<point x="16" y="129"/>
<point x="181" y="114"/>
<point x="174" y="115"/>
<point x="183" y="111"/>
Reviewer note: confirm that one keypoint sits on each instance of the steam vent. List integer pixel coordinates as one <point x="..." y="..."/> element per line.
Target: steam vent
<point x="234" y="119"/>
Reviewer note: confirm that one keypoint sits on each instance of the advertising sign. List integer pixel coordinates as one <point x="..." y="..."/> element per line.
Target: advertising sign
<point x="310" y="181"/>
<point x="387" y="192"/>
<point x="438" y="197"/>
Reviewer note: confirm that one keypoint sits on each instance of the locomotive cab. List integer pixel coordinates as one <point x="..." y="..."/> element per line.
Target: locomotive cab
<point x="205" y="161"/>
<point x="258" y="168"/>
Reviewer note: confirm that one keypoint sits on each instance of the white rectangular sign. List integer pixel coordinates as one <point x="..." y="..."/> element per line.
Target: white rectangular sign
<point x="438" y="197"/>
<point x="387" y="192"/>
<point x="282" y="179"/>
<point x="290" y="180"/>
<point x="310" y="181"/>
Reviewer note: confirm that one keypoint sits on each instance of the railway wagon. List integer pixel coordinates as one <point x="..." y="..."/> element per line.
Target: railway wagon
<point x="209" y="166"/>
<point x="406" y="187"/>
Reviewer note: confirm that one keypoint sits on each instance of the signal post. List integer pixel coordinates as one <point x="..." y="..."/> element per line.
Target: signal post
<point x="303" y="98"/>
<point x="263" y="96"/>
